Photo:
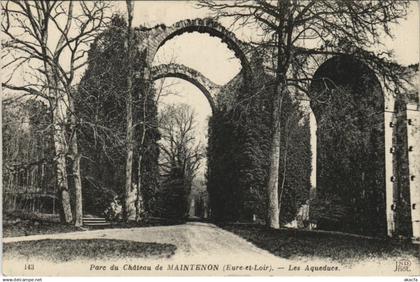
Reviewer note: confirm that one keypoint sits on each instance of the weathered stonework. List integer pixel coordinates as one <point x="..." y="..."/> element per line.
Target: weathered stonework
<point x="152" y="39"/>
<point x="209" y="88"/>
<point x="413" y="142"/>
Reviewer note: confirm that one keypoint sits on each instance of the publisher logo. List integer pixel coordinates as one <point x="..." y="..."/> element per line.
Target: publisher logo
<point x="402" y="265"/>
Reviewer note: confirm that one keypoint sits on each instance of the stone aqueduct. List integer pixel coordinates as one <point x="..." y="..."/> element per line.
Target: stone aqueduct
<point x="151" y="39"/>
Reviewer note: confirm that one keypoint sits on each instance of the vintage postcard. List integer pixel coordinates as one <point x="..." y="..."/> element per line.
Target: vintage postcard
<point x="210" y="138"/>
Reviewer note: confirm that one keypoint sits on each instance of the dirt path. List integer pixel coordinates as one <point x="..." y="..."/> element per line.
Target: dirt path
<point x="193" y="241"/>
<point x="197" y="245"/>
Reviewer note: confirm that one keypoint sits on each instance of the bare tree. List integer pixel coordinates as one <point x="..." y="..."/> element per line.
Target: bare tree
<point x="179" y="146"/>
<point x="47" y="41"/>
<point x="330" y="28"/>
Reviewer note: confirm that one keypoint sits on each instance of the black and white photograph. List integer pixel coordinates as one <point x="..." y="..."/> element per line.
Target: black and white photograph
<point x="210" y="138"/>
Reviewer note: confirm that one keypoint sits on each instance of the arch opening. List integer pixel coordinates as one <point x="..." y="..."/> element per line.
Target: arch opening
<point x="231" y="44"/>
<point x="204" y="26"/>
<point x="184" y="114"/>
<point x="159" y="37"/>
<point x="207" y="87"/>
<point x="348" y="104"/>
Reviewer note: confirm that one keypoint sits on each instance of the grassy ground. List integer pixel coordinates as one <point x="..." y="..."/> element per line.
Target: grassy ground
<point x="67" y="250"/>
<point x="19" y="224"/>
<point x="291" y="243"/>
<point x="26" y="227"/>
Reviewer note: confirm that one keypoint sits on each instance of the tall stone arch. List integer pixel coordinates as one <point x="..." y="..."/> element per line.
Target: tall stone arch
<point x="365" y="189"/>
<point x="401" y="122"/>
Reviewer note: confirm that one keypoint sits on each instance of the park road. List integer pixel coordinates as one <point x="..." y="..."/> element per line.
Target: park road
<point x="193" y="240"/>
<point x="201" y="249"/>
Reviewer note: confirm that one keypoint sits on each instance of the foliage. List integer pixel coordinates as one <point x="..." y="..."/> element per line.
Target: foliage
<point x="351" y="162"/>
<point x="29" y="181"/>
<point x="172" y="201"/>
<point x="295" y="169"/>
<point x="27" y="134"/>
<point x="114" y="212"/>
<point x="222" y="174"/>
<point x="343" y="248"/>
<point x="180" y="159"/>
<point x="101" y="104"/>
<point x="238" y="153"/>
<point x="54" y="62"/>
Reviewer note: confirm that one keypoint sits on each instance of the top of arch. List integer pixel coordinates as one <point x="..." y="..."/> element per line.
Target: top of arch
<point x="155" y="37"/>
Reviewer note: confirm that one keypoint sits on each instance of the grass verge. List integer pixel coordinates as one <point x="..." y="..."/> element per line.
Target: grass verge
<point x="68" y="250"/>
<point x="346" y="249"/>
<point x="27" y="227"/>
<point x="15" y="225"/>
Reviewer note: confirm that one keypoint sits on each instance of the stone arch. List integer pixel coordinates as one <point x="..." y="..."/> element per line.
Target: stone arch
<point x="158" y="36"/>
<point x="344" y="69"/>
<point x="365" y="103"/>
<point x="209" y="88"/>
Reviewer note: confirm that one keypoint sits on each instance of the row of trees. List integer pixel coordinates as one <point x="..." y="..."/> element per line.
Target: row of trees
<point x="26" y="133"/>
<point x="102" y="107"/>
<point x="181" y="156"/>
<point x="49" y="42"/>
<point x="28" y="153"/>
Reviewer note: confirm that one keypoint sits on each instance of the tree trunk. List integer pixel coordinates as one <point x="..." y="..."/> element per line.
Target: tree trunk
<point x="273" y="211"/>
<point x="139" y="201"/>
<point x="129" y="205"/>
<point x="287" y="134"/>
<point x="61" y="166"/>
<point x="59" y="116"/>
<point x="273" y="182"/>
<point x="140" y="209"/>
<point x="78" y="210"/>
<point x="78" y="213"/>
